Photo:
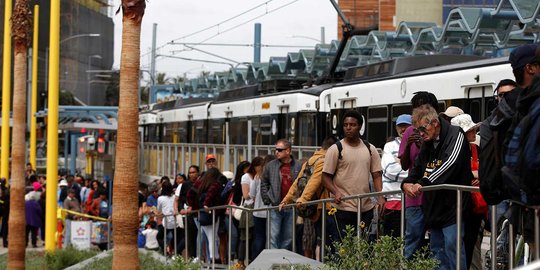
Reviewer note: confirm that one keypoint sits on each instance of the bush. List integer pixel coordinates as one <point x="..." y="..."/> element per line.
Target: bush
<point x="63" y="258"/>
<point x="384" y="253"/>
<point x="147" y="262"/>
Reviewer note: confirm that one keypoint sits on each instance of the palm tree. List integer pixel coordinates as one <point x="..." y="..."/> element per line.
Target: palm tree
<point x="21" y="22"/>
<point x="125" y="221"/>
<point x="161" y="78"/>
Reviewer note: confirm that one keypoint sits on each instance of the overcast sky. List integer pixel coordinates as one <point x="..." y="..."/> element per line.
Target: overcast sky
<point x="280" y="20"/>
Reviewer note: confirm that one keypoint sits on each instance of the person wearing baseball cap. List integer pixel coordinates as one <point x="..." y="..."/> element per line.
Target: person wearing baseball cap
<point x="451" y="112"/>
<point x="524" y="62"/>
<point x="392" y="177"/>
<point x="211" y="161"/>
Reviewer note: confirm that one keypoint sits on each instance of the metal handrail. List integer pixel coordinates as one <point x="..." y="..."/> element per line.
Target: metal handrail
<point x="458" y="188"/>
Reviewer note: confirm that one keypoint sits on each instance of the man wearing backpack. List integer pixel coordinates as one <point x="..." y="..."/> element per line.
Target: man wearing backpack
<point x="308" y="186"/>
<point x="522" y="144"/>
<point x="347" y="173"/>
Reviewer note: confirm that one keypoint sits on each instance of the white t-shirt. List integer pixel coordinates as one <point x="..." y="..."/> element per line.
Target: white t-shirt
<point x="165" y="205"/>
<point x="177" y="191"/>
<point x="247" y="180"/>
<point x="151" y="238"/>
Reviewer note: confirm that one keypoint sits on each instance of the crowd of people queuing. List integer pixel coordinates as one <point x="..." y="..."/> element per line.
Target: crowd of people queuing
<point x="75" y="194"/>
<point x="431" y="147"/>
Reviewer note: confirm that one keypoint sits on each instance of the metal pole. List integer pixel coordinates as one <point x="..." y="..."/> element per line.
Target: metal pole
<point x="249" y="138"/>
<point x="6" y="91"/>
<point x="52" y="122"/>
<point x="511" y="250"/>
<point x="458" y="234"/>
<point x="493" y="237"/>
<point x="358" y="216"/>
<point x="293" y="229"/>
<point x="246" y="258"/>
<point x="227" y="147"/>
<point x="33" y="110"/>
<point x="229" y="244"/>
<point x="536" y="235"/>
<point x="186" y="235"/>
<point x="322" y="35"/>
<point x="402" y="221"/>
<point x="323" y="231"/>
<point x="257" y="44"/>
<point x="213" y="244"/>
<point x="153" y="60"/>
<point x="268" y="228"/>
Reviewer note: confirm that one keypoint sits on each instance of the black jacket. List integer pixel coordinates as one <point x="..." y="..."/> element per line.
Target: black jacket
<point x="448" y="163"/>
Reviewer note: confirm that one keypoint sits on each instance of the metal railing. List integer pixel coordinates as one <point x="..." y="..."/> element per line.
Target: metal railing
<point x="459" y="192"/>
<point x="159" y="159"/>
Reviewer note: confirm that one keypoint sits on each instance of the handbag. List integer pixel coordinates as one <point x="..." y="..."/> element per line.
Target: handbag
<point x="180" y="221"/>
<point x="237" y="213"/>
<point x="205" y="218"/>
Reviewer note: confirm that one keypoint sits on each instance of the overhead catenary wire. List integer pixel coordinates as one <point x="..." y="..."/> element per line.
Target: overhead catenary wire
<point x="224" y="21"/>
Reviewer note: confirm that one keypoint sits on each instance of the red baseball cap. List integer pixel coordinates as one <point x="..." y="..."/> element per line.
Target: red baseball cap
<point x="210" y="156"/>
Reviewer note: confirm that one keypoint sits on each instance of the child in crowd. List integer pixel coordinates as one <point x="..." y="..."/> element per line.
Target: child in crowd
<point x="151" y="236"/>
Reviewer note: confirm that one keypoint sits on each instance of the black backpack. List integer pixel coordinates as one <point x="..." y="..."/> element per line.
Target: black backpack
<point x="306" y="211"/>
<point x="521" y="170"/>
<point x="340" y="148"/>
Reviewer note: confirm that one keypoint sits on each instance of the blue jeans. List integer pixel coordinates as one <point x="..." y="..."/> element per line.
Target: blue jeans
<point x="443" y="247"/>
<point x="234" y="236"/>
<point x="414" y="230"/>
<point x="281" y="223"/>
<point x="259" y="238"/>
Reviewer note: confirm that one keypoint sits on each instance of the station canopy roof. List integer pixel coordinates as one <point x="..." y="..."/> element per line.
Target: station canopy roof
<point x="487" y="32"/>
<point x="87" y="117"/>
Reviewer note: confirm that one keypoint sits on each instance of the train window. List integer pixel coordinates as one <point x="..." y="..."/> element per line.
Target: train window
<point x="474" y="110"/>
<point x="182" y="132"/>
<point x="360" y="72"/>
<point x="217" y="130"/>
<point x="199" y="131"/>
<point x="168" y="131"/>
<point x="238" y="131"/>
<point x="377" y="125"/>
<point x="307" y="129"/>
<point x="373" y="69"/>
<point x="267" y="131"/>
<point x="398" y="110"/>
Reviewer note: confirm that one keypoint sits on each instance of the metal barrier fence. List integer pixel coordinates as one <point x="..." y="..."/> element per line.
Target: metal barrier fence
<point x="159" y="159"/>
<point x="459" y="192"/>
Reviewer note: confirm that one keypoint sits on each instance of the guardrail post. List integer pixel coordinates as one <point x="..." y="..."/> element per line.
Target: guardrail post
<point x="511" y="251"/>
<point x="459" y="241"/>
<point x="293" y="229"/>
<point x="358" y="217"/>
<point x="247" y="212"/>
<point x="323" y="231"/>
<point x="268" y="228"/>
<point x="186" y="236"/>
<point x="402" y="221"/>
<point x="493" y="237"/>
<point x="536" y="235"/>
<point x="213" y="243"/>
<point x="229" y="244"/>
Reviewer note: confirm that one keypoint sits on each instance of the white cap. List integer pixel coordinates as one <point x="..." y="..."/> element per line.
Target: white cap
<point x="63" y="183"/>
<point x="228" y="174"/>
<point x="464" y="121"/>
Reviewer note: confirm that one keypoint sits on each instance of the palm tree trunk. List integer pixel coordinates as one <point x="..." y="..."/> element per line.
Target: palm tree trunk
<point x="125" y="195"/>
<point x="17" y="222"/>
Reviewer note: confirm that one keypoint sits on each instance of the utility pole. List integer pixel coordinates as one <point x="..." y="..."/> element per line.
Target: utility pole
<point x="153" y="60"/>
<point x="257" y="44"/>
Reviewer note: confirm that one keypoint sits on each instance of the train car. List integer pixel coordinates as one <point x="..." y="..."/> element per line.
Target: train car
<point x="383" y="91"/>
<point x="263" y="119"/>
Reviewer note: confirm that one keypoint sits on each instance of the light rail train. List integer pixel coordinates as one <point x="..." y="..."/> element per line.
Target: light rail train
<point x="261" y="114"/>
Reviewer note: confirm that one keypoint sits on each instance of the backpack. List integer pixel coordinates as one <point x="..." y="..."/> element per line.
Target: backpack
<point x="521" y="170"/>
<point x="306" y="210"/>
<point x="340" y="148"/>
<point x="492" y="134"/>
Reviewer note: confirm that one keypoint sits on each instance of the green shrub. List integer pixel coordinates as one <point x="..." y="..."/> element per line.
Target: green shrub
<point x="63" y="258"/>
<point x="147" y="262"/>
<point x="385" y="253"/>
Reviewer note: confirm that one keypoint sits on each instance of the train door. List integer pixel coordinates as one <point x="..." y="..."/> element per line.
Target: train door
<point x="306" y="130"/>
<point x="481" y="101"/>
<point x="377" y="125"/>
<point x="337" y="115"/>
<point x="283" y="122"/>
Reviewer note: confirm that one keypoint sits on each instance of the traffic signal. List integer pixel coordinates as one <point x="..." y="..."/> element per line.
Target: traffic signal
<point x="101" y="145"/>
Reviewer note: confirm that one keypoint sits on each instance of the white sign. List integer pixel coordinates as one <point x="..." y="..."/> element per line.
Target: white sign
<point x="80" y="234"/>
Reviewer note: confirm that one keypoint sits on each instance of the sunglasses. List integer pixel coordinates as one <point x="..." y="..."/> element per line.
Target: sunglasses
<point x="423" y="128"/>
<point x="280" y="149"/>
